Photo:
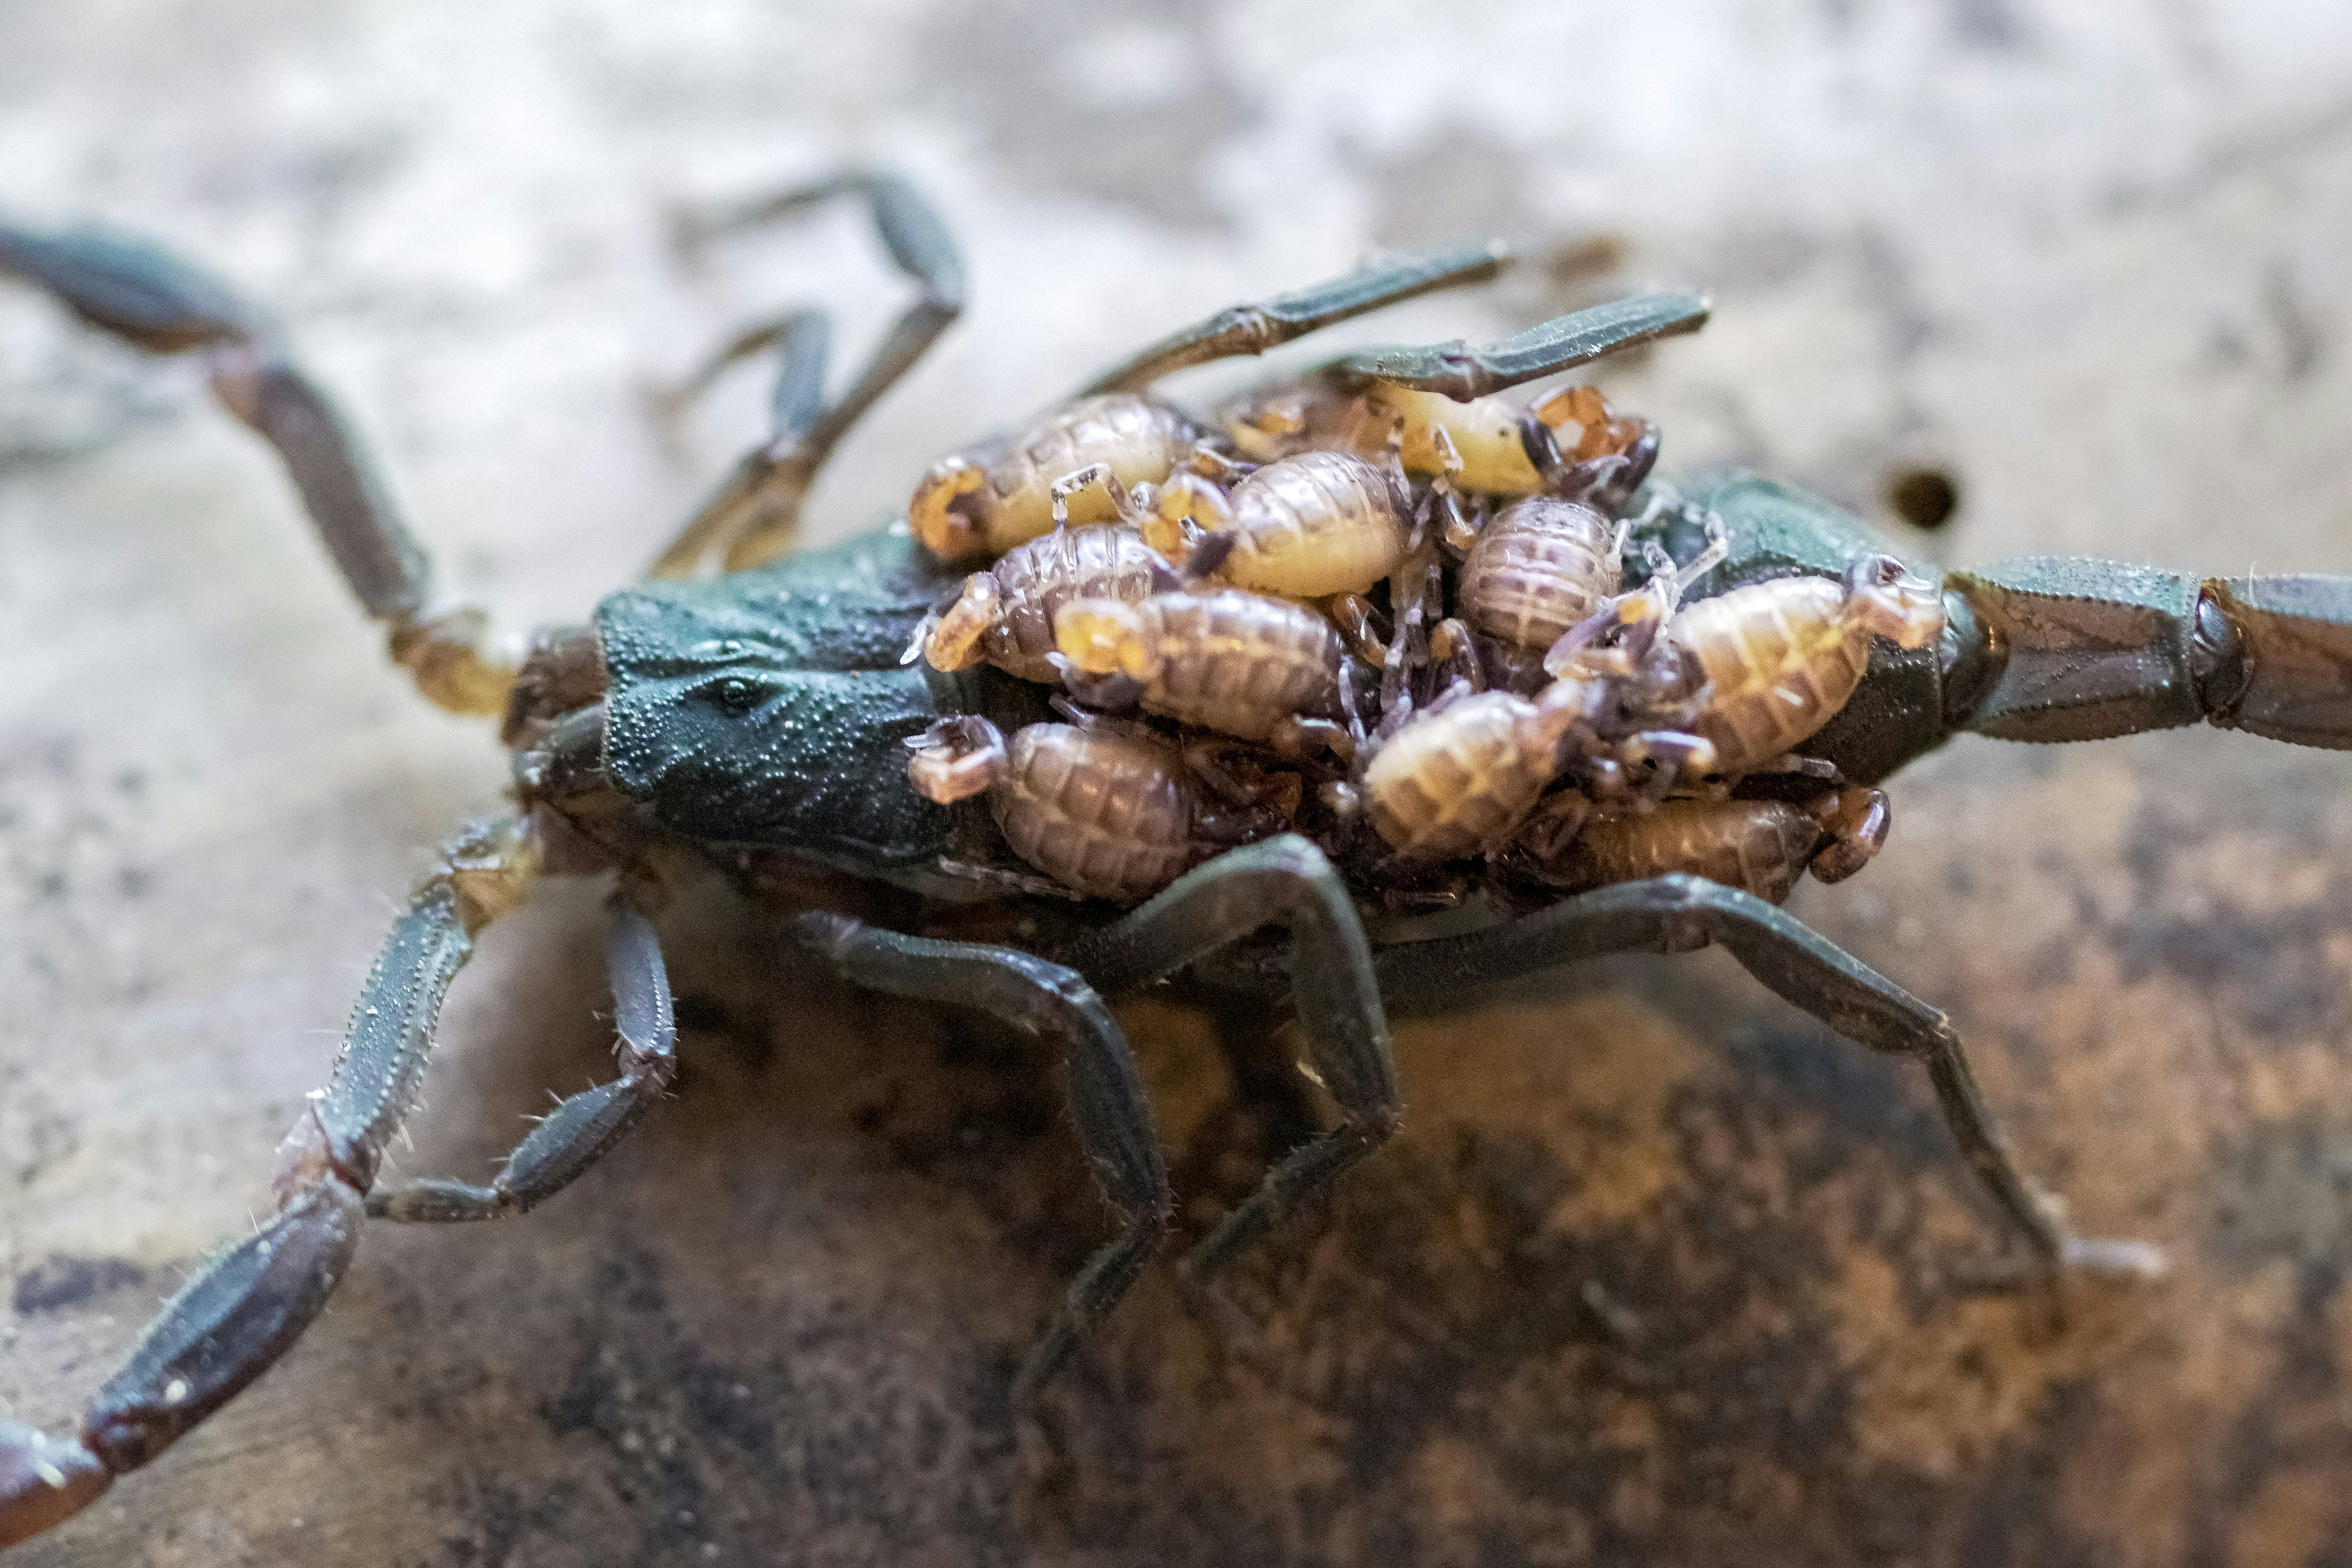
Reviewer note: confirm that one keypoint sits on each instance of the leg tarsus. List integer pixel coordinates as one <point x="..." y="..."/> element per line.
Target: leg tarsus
<point x="1335" y="993"/>
<point x="1107" y="1102"/>
<point x="581" y="1129"/>
<point x="1296" y="1181"/>
<point x="1678" y="913"/>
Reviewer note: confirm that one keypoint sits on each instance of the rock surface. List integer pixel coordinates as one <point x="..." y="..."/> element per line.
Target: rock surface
<point x="1658" y="1271"/>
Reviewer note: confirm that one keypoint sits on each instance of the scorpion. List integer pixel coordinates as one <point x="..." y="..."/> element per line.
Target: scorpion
<point x="759" y="718"/>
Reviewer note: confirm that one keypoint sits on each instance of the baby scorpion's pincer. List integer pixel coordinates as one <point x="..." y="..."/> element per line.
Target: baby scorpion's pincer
<point x="1482" y="445"/>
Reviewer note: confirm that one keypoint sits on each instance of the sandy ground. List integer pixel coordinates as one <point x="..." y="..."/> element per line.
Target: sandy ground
<point x="2089" y="259"/>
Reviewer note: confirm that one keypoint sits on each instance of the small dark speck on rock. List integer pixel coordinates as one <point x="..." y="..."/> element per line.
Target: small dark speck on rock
<point x="1924" y="498"/>
<point x="61" y="1281"/>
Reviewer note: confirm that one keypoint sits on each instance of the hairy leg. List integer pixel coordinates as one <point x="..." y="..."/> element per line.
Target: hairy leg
<point x="583" y="1126"/>
<point x="252" y="1299"/>
<point x="1288" y="881"/>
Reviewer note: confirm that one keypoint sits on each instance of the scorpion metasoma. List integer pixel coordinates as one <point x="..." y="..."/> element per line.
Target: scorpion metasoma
<point x="1492" y="699"/>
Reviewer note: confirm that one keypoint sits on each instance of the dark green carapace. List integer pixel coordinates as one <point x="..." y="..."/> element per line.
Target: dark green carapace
<point x="772" y="707"/>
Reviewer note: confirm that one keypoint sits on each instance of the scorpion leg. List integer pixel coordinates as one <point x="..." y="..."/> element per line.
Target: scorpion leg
<point x="802" y="341"/>
<point x="158" y="302"/>
<point x="1334" y="989"/>
<point x="1463" y="373"/>
<point x="1680" y="913"/>
<point x="756" y="510"/>
<point x="583" y="1128"/>
<point x="249" y="1302"/>
<point x="1270" y="323"/>
<point x="1105" y="1091"/>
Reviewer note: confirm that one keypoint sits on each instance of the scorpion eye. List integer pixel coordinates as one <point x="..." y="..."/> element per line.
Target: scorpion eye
<point x="736" y="695"/>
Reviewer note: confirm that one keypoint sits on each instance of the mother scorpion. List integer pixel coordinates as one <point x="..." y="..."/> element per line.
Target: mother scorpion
<point x="759" y="721"/>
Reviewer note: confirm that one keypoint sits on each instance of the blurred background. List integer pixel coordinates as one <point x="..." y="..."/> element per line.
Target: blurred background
<point x="1659" y="1271"/>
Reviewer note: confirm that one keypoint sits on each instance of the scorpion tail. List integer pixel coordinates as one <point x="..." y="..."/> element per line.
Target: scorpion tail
<point x="2087" y="649"/>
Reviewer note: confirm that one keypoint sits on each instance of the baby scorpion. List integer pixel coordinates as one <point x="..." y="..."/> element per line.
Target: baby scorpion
<point x="1109" y="811"/>
<point x="1488" y="445"/>
<point x="1246" y="664"/>
<point x="987" y="498"/>
<point x="1005" y="614"/>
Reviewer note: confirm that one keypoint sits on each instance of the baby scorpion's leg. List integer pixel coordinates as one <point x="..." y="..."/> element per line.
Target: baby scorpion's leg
<point x="1679" y="913"/>
<point x="1334" y="990"/>
<point x="583" y="1128"/>
<point x="756" y="511"/>
<point x="1105" y="1089"/>
<point x="249" y="1302"/>
<point x="156" y="301"/>
<point x="1254" y="328"/>
<point x="1463" y="373"/>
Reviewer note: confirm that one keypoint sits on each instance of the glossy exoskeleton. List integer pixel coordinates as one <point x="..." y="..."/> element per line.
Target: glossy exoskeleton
<point x="760" y="721"/>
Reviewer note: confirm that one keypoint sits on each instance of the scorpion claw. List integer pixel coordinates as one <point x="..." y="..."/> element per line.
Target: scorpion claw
<point x="44" y="1481"/>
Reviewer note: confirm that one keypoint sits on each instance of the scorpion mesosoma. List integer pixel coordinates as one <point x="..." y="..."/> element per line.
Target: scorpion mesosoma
<point x="762" y="714"/>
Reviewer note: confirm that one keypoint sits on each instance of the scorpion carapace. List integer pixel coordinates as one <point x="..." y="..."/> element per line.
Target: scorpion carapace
<point x="1452" y="655"/>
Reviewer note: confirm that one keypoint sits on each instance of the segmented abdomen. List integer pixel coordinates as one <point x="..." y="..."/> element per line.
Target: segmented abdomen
<point x="1761" y="847"/>
<point x="1141" y="441"/>
<point x="1319" y="524"/>
<point x="1484" y="433"/>
<point x="1452" y="781"/>
<point x="1108" y="813"/>
<point x="1038" y="578"/>
<point x="1783" y="662"/>
<point x="1240" y="663"/>
<point x="1539" y="568"/>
